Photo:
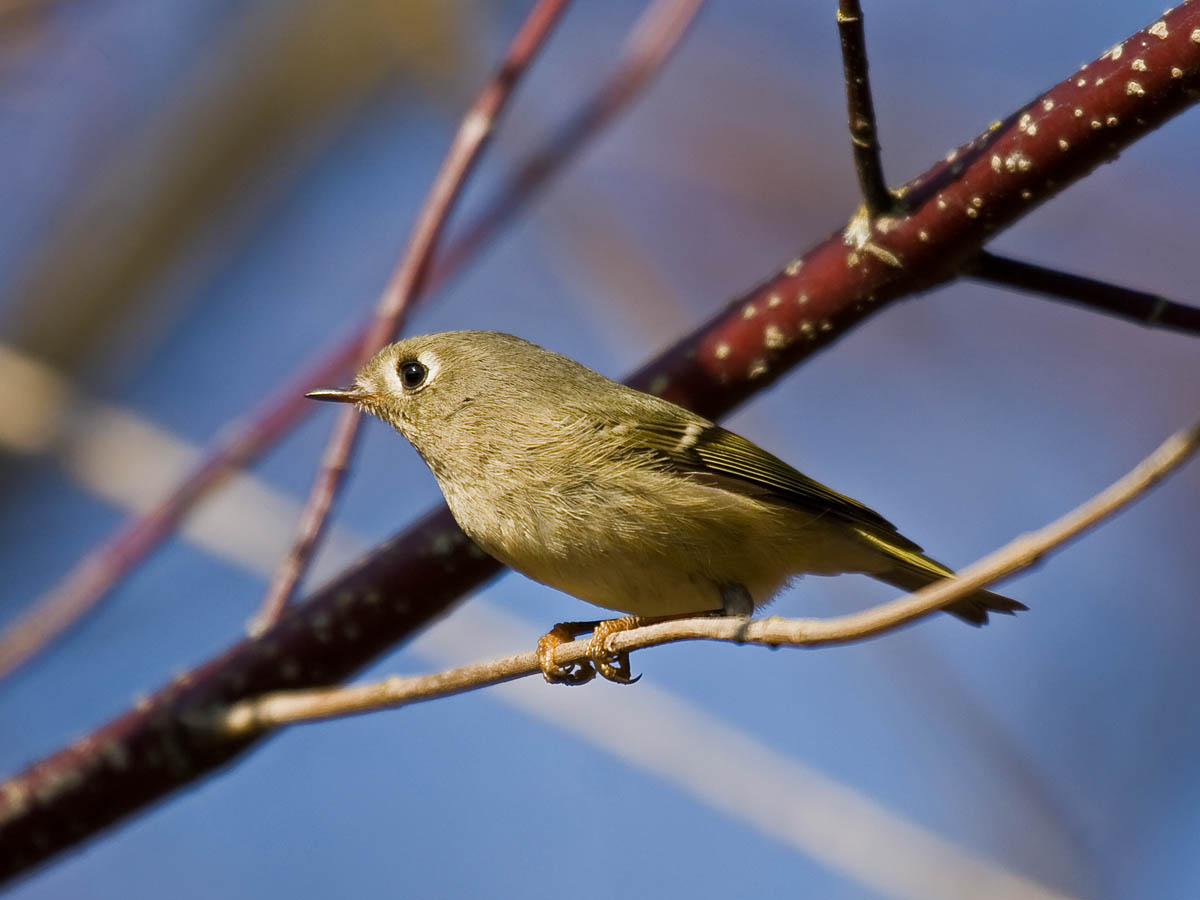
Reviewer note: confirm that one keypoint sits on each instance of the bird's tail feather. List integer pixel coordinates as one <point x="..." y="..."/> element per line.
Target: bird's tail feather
<point x="913" y="570"/>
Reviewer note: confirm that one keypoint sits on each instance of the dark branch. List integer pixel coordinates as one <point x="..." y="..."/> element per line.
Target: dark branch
<point x="864" y="134"/>
<point x="1146" y="309"/>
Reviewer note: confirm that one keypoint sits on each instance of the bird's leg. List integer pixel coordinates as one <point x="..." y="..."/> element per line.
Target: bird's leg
<point x="736" y="600"/>
<point x="564" y="633"/>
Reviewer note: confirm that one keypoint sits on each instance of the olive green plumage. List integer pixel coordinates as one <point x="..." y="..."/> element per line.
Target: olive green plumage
<point x="619" y="497"/>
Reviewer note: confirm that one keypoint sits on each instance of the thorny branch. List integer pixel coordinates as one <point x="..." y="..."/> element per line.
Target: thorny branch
<point x="951" y="210"/>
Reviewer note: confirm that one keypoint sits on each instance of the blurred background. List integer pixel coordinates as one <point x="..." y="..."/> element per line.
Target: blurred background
<point x="199" y="197"/>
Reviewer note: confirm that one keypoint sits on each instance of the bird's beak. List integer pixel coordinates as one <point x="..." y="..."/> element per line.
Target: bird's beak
<point x="338" y="395"/>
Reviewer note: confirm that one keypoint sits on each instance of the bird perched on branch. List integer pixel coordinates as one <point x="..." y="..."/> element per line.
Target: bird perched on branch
<point x="619" y="497"/>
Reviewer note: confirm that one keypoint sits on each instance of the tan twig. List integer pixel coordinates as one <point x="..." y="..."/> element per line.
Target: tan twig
<point x="291" y="707"/>
<point x="404" y="285"/>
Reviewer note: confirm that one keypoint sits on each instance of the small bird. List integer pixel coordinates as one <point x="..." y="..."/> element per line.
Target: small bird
<point x="619" y="497"/>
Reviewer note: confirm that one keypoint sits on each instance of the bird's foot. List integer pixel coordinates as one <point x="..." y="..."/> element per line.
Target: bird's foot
<point x="572" y="673"/>
<point x="613" y="666"/>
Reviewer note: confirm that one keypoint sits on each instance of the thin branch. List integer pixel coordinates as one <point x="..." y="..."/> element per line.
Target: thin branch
<point x="650" y="42"/>
<point x="1151" y="310"/>
<point x="93" y="577"/>
<point x="864" y="133"/>
<point x="291" y="707"/>
<point x="422" y="572"/>
<point x="465" y="151"/>
<point x="653" y="38"/>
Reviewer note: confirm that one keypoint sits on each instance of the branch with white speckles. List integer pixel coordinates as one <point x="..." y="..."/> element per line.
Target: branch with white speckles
<point x="951" y="211"/>
<point x="1144" y="308"/>
<point x="288" y="708"/>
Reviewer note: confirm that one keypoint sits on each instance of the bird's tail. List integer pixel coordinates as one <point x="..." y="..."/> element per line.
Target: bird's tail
<point x="913" y="570"/>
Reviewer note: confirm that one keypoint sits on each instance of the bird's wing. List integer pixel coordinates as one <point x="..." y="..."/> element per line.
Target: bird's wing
<point x="739" y="464"/>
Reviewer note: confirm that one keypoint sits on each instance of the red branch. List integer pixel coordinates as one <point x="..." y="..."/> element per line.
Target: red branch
<point x="417" y="575"/>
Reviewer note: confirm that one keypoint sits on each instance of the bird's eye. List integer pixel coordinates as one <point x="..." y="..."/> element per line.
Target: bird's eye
<point x="412" y="374"/>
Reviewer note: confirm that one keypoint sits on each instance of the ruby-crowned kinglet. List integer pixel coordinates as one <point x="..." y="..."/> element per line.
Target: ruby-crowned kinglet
<point x="621" y="498"/>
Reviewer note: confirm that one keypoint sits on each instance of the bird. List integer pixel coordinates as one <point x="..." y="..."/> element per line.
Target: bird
<point x="619" y="497"/>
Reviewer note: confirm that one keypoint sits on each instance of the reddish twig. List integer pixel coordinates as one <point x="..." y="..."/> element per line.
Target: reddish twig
<point x="98" y="572"/>
<point x="465" y="150"/>
<point x="417" y="575"/>
<point x="653" y="38"/>
<point x="651" y="41"/>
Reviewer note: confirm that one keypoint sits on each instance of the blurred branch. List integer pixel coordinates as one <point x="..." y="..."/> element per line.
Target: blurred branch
<point x="268" y="92"/>
<point x="864" y="132"/>
<point x="652" y="39"/>
<point x="290" y="707"/>
<point x="474" y="134"/>
<point x="1150" y="310"/>
<point x="952" y="210"/>
<point x="94" y="576"/>
<point x="15" y="14"/>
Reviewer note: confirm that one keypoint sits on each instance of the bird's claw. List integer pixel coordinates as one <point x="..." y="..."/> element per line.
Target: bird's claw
<point x="612" y="666"/>
<point x="616" y="669"/>
<point x="571" y="673"/>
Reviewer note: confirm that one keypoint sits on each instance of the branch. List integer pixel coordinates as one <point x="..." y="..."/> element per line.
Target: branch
<point x="291" y="707"/>
<point x="650" y="42"/>
<point x="864" y="133"/>
<point x="465" y="151"/>
<point x="1151" y="310"/>
<point x="419" y="574"/>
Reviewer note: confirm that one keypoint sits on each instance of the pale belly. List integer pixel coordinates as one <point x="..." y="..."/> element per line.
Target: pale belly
<point x="669" y="556"/>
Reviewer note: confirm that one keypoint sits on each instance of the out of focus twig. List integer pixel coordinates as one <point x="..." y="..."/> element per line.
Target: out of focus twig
<point x="651" y="41"/>
<point x="653" y="38"/>
<point x="291" y="707"/>
<point x="265" y="96"/>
